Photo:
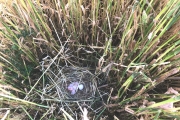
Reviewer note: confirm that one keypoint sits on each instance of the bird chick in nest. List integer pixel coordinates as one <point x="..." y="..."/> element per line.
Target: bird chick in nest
<point x="74" y="86"/>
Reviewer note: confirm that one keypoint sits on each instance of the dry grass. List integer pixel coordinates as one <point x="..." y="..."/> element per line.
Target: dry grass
<point x="126" y="53"/>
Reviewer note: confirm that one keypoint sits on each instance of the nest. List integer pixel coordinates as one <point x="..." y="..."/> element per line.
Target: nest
<point x="61" y="77"/>
<point x="56" y="91"/>
<point x="81" y="76"/>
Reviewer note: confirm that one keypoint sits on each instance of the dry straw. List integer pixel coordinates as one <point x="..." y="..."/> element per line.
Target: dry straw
<point x="59" y="78"/>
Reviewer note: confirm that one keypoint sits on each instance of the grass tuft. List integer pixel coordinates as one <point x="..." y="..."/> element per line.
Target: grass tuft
<point x="126" y="53"/>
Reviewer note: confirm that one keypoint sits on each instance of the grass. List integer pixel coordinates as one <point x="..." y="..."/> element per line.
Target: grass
<point x="132" y="48"/>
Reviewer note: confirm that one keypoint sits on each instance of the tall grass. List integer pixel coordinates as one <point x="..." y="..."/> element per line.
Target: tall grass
<point x="135" y="44"/>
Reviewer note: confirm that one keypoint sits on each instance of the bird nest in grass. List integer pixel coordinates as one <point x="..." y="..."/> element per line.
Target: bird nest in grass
<point x="76" y="83"/>
<point x="67" y="83"/>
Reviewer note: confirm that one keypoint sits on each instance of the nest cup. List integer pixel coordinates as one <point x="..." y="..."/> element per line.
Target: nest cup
<point x="57" y="94"/>
<point x="76" y="77"/>
<point x="61" y="78"/>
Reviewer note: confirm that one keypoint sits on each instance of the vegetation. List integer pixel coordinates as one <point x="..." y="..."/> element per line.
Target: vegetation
<point x="131" y="47"/>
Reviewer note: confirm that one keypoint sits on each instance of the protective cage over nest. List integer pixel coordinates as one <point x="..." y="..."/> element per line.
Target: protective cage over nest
<point x="68" y="83"/>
